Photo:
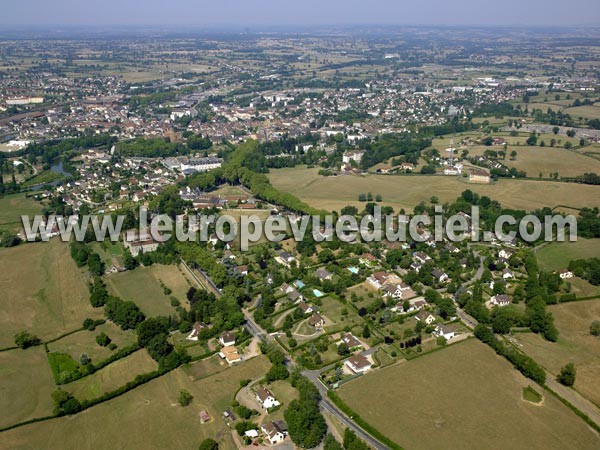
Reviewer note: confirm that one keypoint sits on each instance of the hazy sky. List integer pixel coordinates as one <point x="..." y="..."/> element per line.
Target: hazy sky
<point x="301" y="12"/>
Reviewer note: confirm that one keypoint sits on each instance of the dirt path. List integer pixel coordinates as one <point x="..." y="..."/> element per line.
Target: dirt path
<point x="574" y="398"/>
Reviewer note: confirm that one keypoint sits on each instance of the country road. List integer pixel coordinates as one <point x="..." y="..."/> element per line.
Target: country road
<point x="574" y="398"/>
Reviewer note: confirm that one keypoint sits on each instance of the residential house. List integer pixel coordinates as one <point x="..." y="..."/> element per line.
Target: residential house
<point x="316" y="320"/>
<point x="196" y="329"/>
<point x="507" y="274"/>
<point x="323" y="274"/>
<point x="504" y="253"/>
<point x="266" y="398"/>
<point x="564" y="274"/>
<point x="306" y="308"/>
<point x="274" y="433"/>
<point x="441" y="277"/>
<point x="425" y="316"/>
<point x="500" y="300"/>
<point x="351" y="341"/>
<point x="230" y="354"/>
<point x="445" y="331"/>
<point x="227" y="338"/>
<point x="421" y="257"/>
<point x="358" y="364"/>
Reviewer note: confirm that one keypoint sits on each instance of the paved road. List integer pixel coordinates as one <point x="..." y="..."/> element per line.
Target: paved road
<point x="574" y="398"/>
<point x="313" y="376"/>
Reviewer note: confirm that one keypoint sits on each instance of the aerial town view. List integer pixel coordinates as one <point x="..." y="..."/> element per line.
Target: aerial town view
<point x="294" y="225"/>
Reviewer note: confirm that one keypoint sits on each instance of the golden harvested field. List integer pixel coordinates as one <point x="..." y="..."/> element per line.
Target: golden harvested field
<point x="112" y="376"/>
<point x="333" y="193"/>
<point x="26" y="384"/>
<point x="43" y="291"/>
<point x="464" y="396"/>
<point x="85" y="342"/>
<point x="142" y="286"/>
<point x="575" y="344"/>
<point x="145" y="413"/>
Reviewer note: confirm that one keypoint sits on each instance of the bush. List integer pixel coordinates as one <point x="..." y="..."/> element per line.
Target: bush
<point x="209" y="444"/>
<point x="102" y="340"/>
<point x="567" y="374"/>
<point x="184" y="398"/>
<point x="595" y="328"/>
<point x="25" y="340"/>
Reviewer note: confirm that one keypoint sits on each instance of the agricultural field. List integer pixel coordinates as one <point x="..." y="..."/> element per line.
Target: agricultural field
<point x="464" y="396"/>
<point x="546" y="160"/>
<point x="557" y="255"/>
<point x="575" y="344"/>
<point x="146" y="412"/>
<point x="143" y="286"/>
<point x="586" y="112"/>
<point x="26" y="384"/>
<point x="11" y="209"/>
<point x="85" y="342"/>
<point x="112" y="376"/>
<point x="43" y="292"/>
<point x="333" y="193"/>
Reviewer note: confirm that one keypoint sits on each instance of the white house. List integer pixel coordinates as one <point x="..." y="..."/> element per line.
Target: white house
<point x="445" y="331"/>
<point x="358" y="364"/>
<point x="227" y="339"/>
<point x="564" y="274"/>
<point x="274" y="433"/>
<point x="266" y="398"/>
<point x="500" y="300"/>
<point x="426" y="317"/>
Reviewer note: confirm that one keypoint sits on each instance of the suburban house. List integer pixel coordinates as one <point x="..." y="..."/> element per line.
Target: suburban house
<point x="306" y="308"/>
<point x="415" y="304"/>
<point x="138" y="243"/>
<point x="425" y="317"/>
<point x="358" y="364"/>
<point x="421" y="257"/>
<point x="378" y="279"/>
<point x="564" y="274"/>
<point x="441" y="277"/>
<point x="507" y="274"/>
<point x="295" y="296"/>
<point x="196" y="329"/>
<point x="506" y="254"/>
<point x="227" y="338"/>
<point x="274" y="432"/>
<point x="316" y="320"/>
<point x="500" y="300"/>
<point x="351" y="341"/>
<point x="323" y="274"/>
<point x="230" y="354"/>
<point x="445" y="331"/>
<point x="266" y="398"/>
<point x="285" y="259"/>
<point x="367" y="260"/>
<point x="479" y="176"/>
<point x="286" y="288"/>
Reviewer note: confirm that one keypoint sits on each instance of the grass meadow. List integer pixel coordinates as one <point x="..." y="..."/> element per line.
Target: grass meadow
<point x="333" y="193"/>
<point x="145" y="413"/>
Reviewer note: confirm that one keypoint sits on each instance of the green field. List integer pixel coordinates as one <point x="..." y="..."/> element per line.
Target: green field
<point x="147" y="417"/>
<point x="333" y="193"/>
<point x="464" y="396"/>
<point x="11" y="209"/>
<point x="587" y="112"/>
<point x="575" y="344"/>
<point x="547" y="160"/>
<point x="557" y="255"/>
<point x="43" y="291"/>
<point x="112" y="376"/>
<point x="26" y="384"/>
<point x="85" y="342"/>
<point x="142" y="286"/>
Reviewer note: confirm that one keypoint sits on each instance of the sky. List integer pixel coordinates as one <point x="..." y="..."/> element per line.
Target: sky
<point x="264" y="13"/>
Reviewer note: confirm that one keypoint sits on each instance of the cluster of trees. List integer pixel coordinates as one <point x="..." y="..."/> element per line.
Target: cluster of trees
<point x="153" y="335"/>
<point x="567" y="375"/>
<point x="588" y="269"/>
<point x="306" y="424"/>
<point x="588" y="223"/>
<point x="152" y="148"/>
<point x="126" y="314"/>
<point x="9" y="240"/>
<point x="278" y="370"/>
<point x="390" y="145"/>
<point x="83" y="255"/>
<point x="49" y="151"/>
<point x="25" y="340"/>
<point x="65" y="403"/>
